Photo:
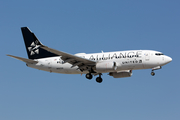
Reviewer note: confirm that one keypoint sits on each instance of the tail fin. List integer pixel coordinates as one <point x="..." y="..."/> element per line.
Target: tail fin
<point x="33" y="45"/>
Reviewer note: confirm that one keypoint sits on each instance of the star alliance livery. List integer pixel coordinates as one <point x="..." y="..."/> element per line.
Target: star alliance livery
<point x="117" y="64"/>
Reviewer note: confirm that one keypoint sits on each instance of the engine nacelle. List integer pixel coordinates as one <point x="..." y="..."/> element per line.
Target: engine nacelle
<point x="122" y="74"/>
<point x="106" y="67"/>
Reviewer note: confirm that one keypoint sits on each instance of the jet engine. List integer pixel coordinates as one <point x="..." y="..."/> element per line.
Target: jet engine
<point x="106" y="66"/>
<point x="122" y="74"/>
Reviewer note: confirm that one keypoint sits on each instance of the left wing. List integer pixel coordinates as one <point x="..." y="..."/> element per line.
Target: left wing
<point x="82" y="63"/>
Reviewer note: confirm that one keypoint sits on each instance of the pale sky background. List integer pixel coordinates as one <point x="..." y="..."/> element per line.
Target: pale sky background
<point x="76" y="26"/>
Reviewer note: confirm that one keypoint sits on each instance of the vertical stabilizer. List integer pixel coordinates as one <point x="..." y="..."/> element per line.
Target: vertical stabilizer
<point x="33" y="45"/>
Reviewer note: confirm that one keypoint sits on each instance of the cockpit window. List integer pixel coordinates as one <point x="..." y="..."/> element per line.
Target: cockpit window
<point x="158" y="54"/>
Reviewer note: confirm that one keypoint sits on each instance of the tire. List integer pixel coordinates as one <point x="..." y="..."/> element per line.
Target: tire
<point x="89" y="76"/>
<point x="152" y="73"/>
<point x="99" y="79"/>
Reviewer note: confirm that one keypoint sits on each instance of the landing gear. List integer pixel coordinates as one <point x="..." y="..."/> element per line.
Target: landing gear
<point x="99" y="79"/>
<point x="155" y="68"/>
<point x="89" y="76"/>
<point x="152" y="73"/>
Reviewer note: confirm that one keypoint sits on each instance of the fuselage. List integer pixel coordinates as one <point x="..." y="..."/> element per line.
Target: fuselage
<point x="118" y="64"/>
<point x="125" y="60"/>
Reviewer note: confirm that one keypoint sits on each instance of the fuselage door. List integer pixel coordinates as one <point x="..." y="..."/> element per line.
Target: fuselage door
<point x="147" y="56"/>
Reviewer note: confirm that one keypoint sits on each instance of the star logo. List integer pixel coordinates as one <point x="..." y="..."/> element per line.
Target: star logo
<point x="33" y="49"/>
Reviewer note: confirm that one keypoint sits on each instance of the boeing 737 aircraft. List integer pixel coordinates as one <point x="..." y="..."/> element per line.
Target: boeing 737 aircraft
<point x="118" y="64"/>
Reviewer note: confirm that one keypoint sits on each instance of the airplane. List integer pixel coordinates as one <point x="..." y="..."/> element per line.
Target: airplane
<point x="118" y="64"/>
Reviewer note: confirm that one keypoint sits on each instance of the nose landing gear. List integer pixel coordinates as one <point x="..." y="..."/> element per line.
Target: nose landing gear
<point x="152" y="73"/>
<point x="155" y="68"/>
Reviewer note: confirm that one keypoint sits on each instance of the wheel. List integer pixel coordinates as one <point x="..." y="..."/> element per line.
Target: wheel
<point x="99" y="79"/>
<point x="89" y="76"/>
<point x="152" y="73"/>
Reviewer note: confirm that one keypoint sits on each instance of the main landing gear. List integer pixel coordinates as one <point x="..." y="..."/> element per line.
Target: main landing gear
<point x="89" y="76"/>
<point x="98" y="79"/>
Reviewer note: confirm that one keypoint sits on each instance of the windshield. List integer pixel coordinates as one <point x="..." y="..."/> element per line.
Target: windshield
<point x="158" y="54"/>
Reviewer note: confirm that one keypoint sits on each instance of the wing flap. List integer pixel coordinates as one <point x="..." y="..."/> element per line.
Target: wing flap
<point x="23" y="59"/>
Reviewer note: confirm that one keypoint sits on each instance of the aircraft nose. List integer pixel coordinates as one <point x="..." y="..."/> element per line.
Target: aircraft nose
<point x="168" y="59"/>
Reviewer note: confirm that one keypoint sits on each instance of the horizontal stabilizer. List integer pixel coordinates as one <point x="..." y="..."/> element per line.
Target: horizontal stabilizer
<point x="24" y="59"/>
